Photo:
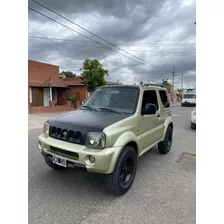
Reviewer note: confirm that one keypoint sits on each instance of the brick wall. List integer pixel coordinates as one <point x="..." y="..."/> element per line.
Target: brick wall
<point x="41" y="71"/>
<point x="82" y="90"/>
<point x="49" y="109"/>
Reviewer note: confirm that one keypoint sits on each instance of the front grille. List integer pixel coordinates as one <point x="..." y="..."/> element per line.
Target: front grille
<point x="72" y="155"/>
<point x="66" y="135"/>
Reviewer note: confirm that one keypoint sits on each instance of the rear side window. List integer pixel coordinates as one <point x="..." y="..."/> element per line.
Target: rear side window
<point x="150" y="96"/>
<point x="164" y="98"/>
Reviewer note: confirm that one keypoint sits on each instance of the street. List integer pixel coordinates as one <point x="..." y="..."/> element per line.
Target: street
<point x="163" y="192"/>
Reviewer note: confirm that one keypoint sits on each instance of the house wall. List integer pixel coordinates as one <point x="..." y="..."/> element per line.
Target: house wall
<point x="168" y="86"/>
<point x="38" y="70"/>
<point x="49" y="109"/>
<point x="82" y="90"/>
<point x="60" y="96"/>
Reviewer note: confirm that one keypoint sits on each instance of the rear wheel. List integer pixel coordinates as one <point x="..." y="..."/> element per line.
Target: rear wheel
<point x="120" y="181"/>
<point x="52" y="165"/>
<point x="165" y="146"/>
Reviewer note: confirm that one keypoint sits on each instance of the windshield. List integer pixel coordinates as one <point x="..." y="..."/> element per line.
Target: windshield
<point x="189" y="96"/>
<point x="113" y="99"/>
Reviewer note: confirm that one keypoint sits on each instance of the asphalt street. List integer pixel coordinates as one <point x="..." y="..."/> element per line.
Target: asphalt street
<point x="163" y="192"/>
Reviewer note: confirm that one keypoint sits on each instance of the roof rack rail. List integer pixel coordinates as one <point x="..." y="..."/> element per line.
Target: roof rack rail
<point x="153" y="84"/>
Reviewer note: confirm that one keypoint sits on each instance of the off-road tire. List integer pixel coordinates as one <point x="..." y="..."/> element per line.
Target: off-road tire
<point x="52" y="165"/>
<point x="165" y="146"/>
<point x="114" y="182"/>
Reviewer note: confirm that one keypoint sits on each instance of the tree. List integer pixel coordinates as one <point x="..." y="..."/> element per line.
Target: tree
<point x="68" y="74"/>
<point x="93" y="74"/>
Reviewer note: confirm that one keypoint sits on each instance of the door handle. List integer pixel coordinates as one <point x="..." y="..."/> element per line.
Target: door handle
<point x="158" y="115"/>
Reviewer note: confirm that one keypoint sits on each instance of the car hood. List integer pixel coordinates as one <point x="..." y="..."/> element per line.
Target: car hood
<point x="85" y="121"/>
<point x="85" y="118"/>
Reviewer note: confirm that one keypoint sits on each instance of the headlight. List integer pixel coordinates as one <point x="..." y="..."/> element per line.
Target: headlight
<point x="46" y="129"/>
<point x="96" y="140"/>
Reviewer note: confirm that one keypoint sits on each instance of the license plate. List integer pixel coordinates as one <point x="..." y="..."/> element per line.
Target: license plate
<point x="59" y="160"/>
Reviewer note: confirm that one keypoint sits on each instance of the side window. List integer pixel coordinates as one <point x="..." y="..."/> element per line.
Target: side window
<point x="164" y="98"/>
<point x="150" y="96"/>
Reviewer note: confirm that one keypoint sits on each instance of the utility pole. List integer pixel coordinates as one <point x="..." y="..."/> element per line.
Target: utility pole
<point x="182" y="83"/>
<point x="173" y="84"/>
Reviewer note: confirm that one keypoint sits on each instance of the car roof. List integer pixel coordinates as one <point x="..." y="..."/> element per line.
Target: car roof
<point x="120" y="86"/>
<point x="145" y="86"/>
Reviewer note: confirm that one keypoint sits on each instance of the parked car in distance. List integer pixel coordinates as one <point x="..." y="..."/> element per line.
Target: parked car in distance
<point x="189" y="99"/>
<point x="193" y="119"/>
<point x="113" y="128"/>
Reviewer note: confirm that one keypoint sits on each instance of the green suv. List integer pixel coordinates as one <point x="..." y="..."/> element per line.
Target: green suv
<point x="112" y="129"/>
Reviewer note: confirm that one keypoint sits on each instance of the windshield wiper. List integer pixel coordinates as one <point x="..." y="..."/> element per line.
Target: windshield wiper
<point x="108" y="109"/>
<point x="88" y="107"/>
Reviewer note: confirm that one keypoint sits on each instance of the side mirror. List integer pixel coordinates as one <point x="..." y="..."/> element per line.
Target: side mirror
<point x="149" y="109"/>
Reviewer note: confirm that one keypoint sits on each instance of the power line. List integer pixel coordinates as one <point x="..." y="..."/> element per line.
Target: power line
<point x="49" y="39"/>
<point x="150" y="43"/>
<point x="66" y="40"/>
<point x="74" y="42"/>
<point x="166" y="52"/>
<point x="87" y="42"/>
<point x="122" y="44"/>
<point x="89" y="38"/>
<point x="96" y="35"/>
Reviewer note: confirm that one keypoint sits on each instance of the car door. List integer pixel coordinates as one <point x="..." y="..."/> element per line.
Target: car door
<point x="149" y="123"/>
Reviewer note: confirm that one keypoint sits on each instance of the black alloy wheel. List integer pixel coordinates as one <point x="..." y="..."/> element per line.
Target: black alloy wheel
<point x="165" y="146"/>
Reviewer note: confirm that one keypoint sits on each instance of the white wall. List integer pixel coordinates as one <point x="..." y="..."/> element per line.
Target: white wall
<point x="31" y="96"/>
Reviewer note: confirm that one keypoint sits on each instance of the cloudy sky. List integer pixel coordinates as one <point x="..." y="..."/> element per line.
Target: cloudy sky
<point x="160" y="33"/>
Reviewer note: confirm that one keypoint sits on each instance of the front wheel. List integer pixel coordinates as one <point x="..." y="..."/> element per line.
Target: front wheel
<point x="165" y="146"/>
<point x="120" y="181"/>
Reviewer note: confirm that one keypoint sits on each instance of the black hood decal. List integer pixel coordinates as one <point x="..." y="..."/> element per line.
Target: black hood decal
<point x="83" y="122"/>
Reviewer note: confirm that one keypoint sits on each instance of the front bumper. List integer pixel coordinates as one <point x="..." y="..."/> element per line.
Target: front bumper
<point x="78" y="155"/>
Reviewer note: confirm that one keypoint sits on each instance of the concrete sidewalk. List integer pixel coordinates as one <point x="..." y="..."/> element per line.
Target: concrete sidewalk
<point x="36" y="121"/>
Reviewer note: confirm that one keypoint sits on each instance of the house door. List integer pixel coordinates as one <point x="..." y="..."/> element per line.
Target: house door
<point x="37" y="96"/>
<point x="46" y="96"/>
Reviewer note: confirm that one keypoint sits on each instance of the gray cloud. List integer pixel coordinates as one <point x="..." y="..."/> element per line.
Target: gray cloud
<point x="159" y="32"/>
